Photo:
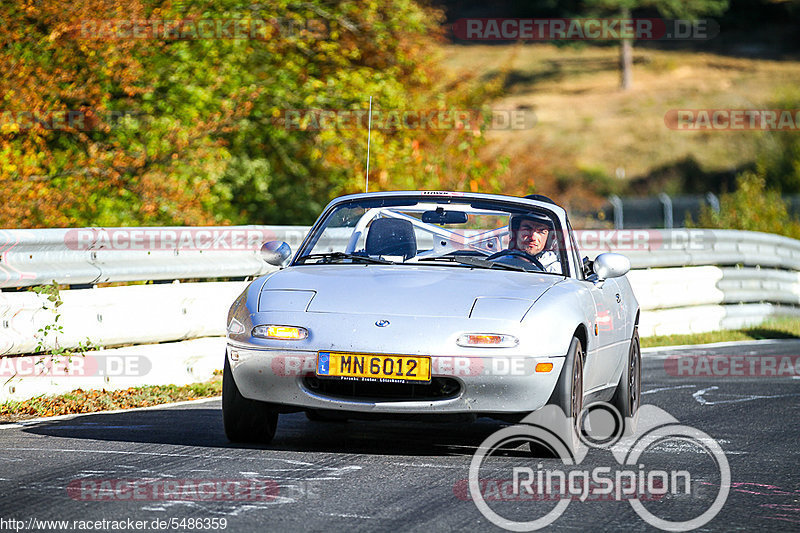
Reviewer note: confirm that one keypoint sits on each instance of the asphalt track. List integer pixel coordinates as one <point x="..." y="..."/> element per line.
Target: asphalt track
<point x="376" y="476"/>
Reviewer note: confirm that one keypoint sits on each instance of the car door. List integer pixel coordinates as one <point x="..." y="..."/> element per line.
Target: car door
<point x="609" y="328"/>
<point x="602" y="355"/>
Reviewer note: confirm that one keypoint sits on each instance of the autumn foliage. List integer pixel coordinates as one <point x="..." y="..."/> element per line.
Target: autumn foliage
<point x="185" y="129"/>
<point x="90" y="401"/>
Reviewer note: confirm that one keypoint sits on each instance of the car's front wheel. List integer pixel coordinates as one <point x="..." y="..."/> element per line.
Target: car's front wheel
<point x="568" y="394"/>
<point x="245" y="420"/>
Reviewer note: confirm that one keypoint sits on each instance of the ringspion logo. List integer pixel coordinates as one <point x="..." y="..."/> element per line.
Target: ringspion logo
<point x="635" y="475"/>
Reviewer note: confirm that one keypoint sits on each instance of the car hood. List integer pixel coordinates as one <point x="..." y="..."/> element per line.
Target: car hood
<point x="405" y="290"/>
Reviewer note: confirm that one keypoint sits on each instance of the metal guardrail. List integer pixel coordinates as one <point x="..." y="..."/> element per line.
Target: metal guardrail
<point x="87" y="256"/>
<point x="686" y="280"/>
<point x="696" y="247"/>
<point x="760" y="285"/>
<point x="114" y="316"/>
<point x="662" y="211"/>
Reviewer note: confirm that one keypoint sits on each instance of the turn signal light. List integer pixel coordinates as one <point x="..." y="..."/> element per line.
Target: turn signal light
<point x="544" y="367"/>
<point x="488" y="340"/>
<point x="284" y="333"/>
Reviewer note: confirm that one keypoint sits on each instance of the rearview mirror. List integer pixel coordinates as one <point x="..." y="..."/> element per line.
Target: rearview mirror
<point x="611" y="265"/>
<point x="276" y="253"/>
<point x="440" y="216"/>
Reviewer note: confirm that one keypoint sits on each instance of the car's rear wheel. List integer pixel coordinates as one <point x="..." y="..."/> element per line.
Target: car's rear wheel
<point x="628" y="394"/>
<point x="245" y="420"/>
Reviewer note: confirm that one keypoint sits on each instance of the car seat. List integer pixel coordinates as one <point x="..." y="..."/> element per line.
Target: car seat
<point x="391" y="236"/>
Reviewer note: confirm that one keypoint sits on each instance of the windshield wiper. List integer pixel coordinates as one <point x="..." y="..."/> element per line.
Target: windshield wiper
<point x="485" y="263"/>
<point x="470" y="260"/>
<point x="331" y="257"/>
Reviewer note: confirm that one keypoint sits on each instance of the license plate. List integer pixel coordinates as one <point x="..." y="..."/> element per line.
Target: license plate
<point x="373" y="367"/>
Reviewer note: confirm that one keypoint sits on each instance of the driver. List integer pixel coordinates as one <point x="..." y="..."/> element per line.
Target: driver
<point x="534" y="235"/>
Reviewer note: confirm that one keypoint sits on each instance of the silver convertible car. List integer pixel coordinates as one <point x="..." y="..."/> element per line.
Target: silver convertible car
<point x="431" y="304"/>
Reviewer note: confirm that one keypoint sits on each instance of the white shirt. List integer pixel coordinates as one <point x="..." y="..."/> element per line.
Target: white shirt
<point x="550" y="262"/>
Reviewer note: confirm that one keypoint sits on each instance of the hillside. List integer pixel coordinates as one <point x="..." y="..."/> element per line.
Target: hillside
<point x="591" y="138"/>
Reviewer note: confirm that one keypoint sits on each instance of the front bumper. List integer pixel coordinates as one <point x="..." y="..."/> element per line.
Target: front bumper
<point x="486" y="384"/>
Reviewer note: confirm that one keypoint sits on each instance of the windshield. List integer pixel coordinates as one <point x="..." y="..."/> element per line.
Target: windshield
<point x="446" y="233"/>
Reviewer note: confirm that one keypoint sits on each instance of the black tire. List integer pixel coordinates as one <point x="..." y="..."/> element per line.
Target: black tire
<point x="245" y="420"/>
<point x="628" y="395"/>
<point x="568" y="395"/>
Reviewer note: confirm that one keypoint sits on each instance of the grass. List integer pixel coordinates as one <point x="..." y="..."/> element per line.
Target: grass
<point x="80" y="401"/>
<point x="586" y="124"/>
<point x="779" y="328"/>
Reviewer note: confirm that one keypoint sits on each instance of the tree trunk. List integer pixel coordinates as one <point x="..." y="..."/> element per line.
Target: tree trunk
<point x="626" y="58"/>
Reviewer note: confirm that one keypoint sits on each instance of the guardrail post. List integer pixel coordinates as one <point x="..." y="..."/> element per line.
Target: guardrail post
<point x="616" y="203"/>
<point x="667" y="202"/>
<point x="713" y="201"/>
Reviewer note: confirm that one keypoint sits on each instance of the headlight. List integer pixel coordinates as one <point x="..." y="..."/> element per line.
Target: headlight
<point x="235" y="327"/>
<point x="487" y="340"/>
<point x="283" y="333"/>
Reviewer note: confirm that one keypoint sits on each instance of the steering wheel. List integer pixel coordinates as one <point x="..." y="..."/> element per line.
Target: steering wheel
<point x="517" y="253"/>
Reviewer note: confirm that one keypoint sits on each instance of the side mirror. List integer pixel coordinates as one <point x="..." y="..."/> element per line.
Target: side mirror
<point x="276" y="253"/>
<point x="611" y="265"/>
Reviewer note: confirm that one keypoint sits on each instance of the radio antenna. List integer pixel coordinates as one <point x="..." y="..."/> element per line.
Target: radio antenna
<point x="369" y="130"/>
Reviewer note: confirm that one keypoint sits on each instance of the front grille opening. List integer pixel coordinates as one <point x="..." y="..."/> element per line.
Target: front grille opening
<point x="437" y="389"/>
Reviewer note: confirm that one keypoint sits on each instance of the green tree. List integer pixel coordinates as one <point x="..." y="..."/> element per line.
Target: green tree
<point x="672" y="9"/>
<point x="779" y="157"/>
<point x="753" y="207"/>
